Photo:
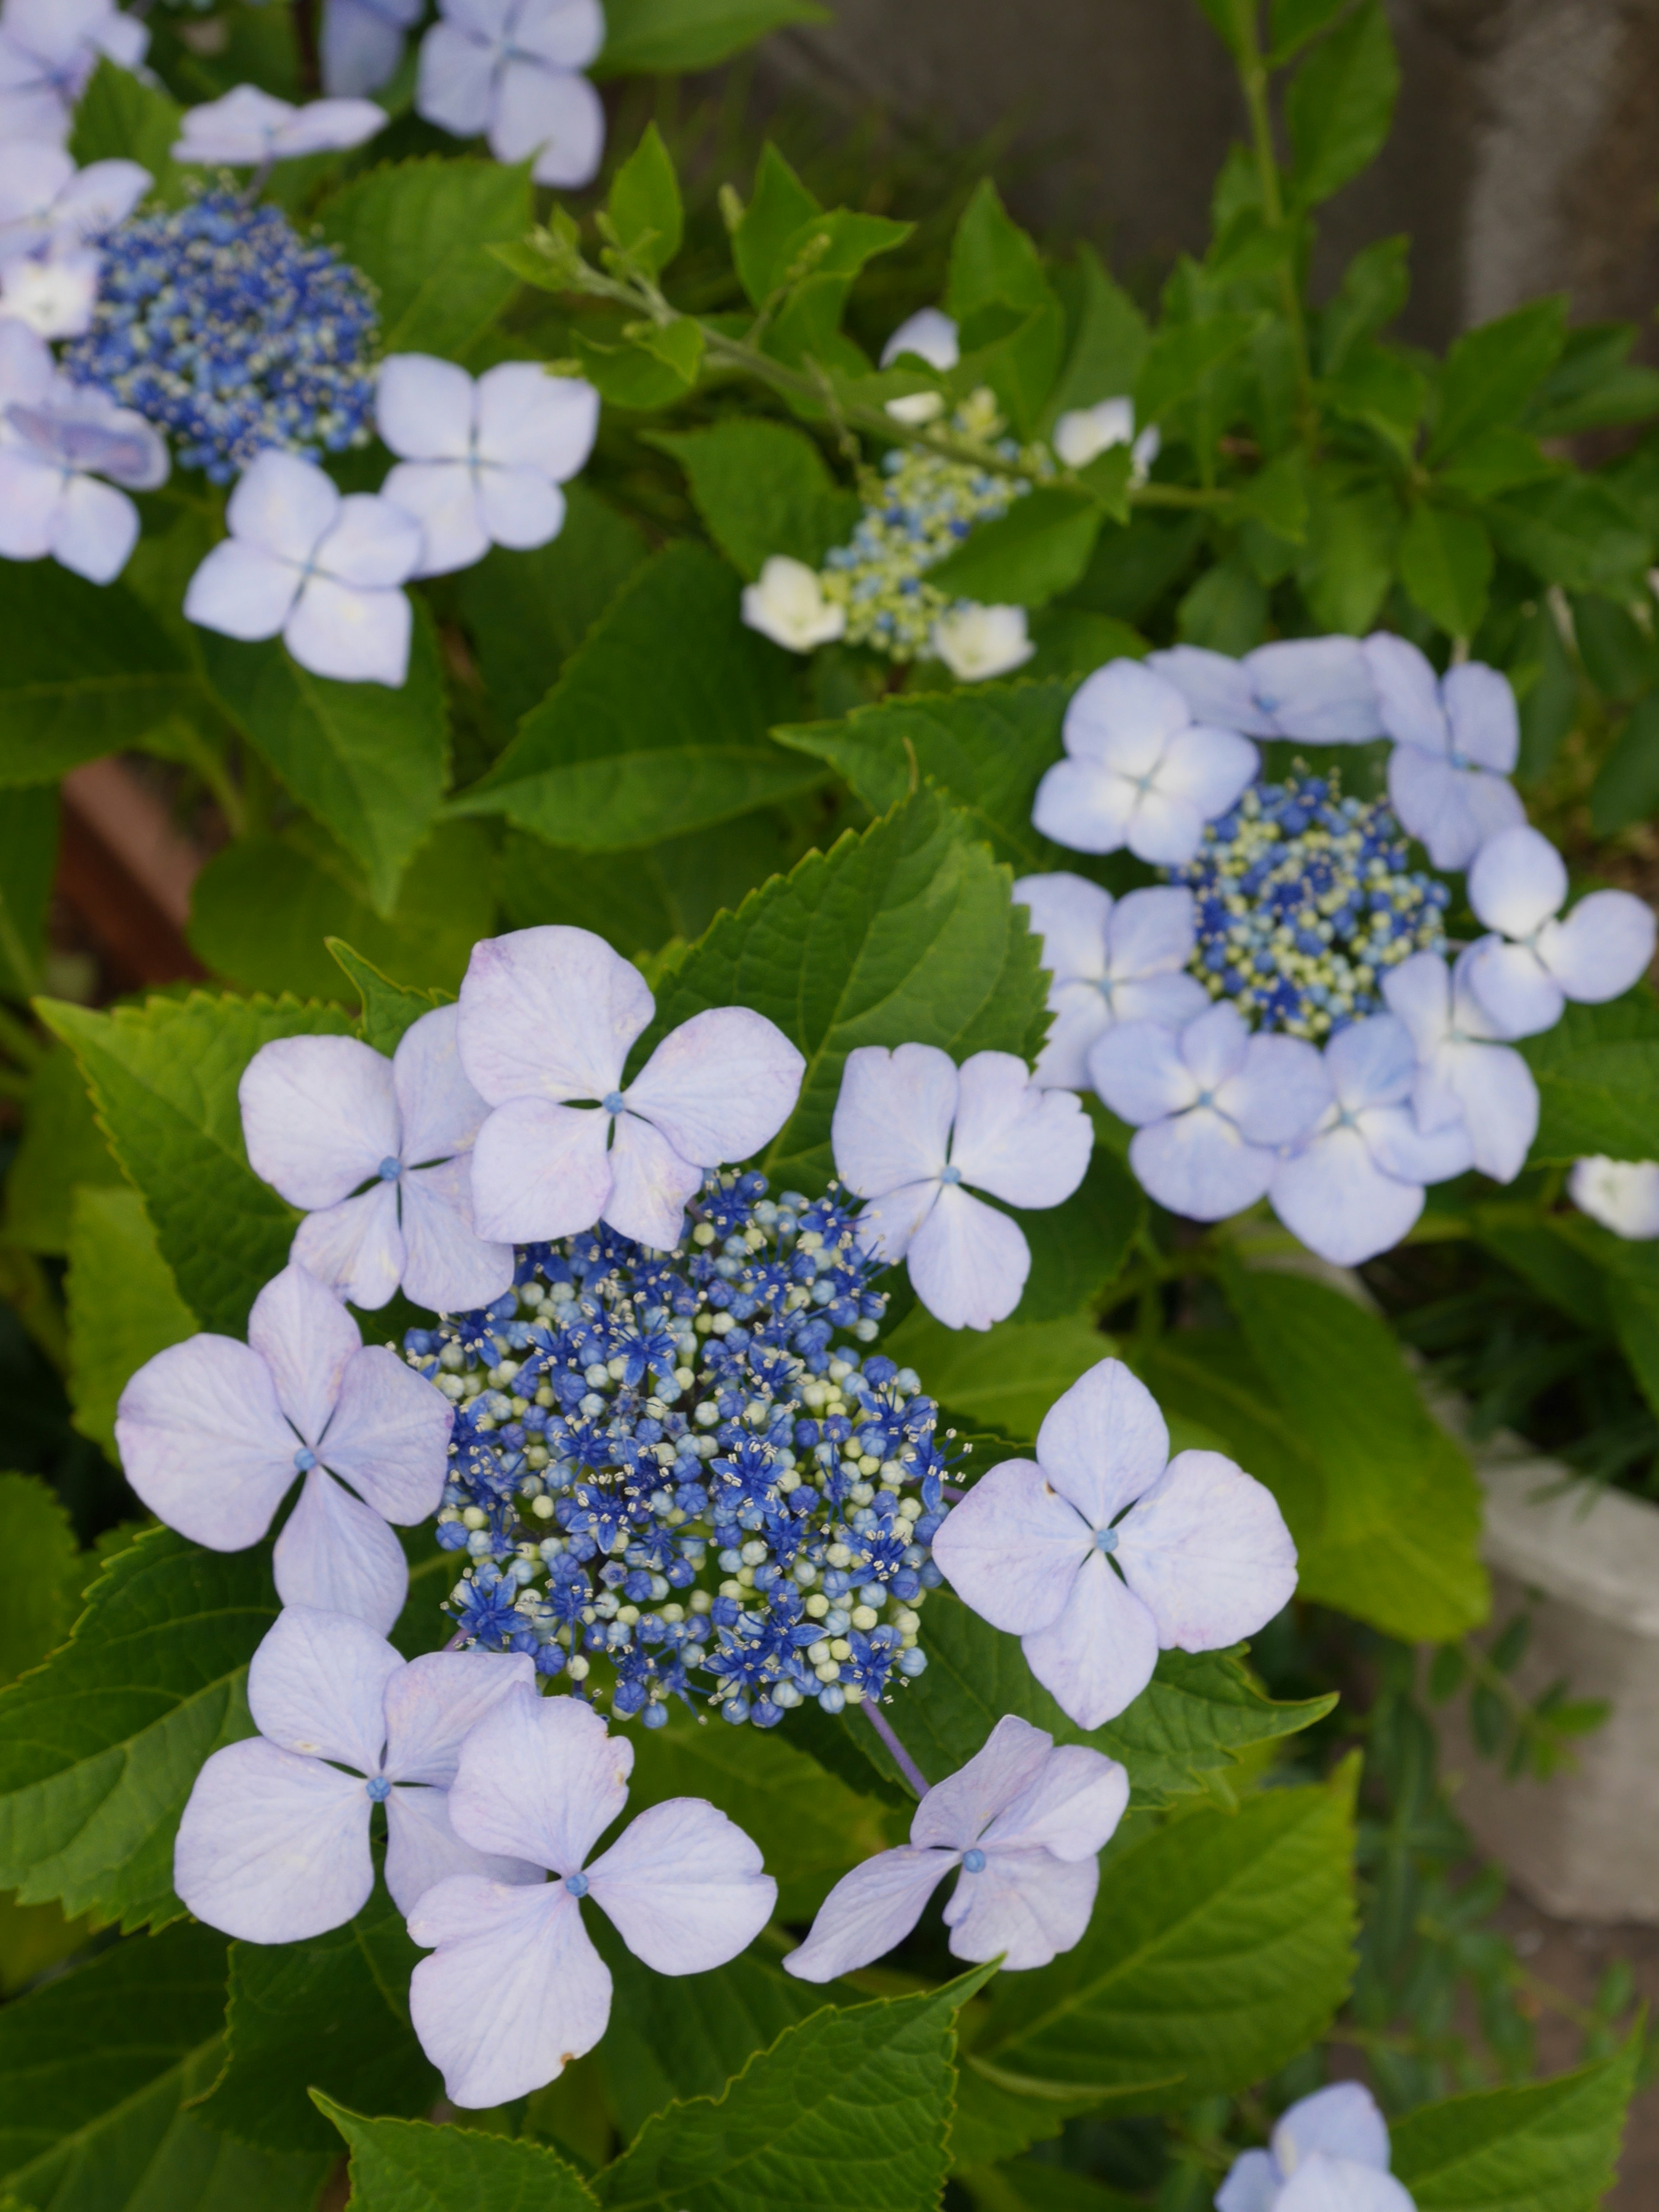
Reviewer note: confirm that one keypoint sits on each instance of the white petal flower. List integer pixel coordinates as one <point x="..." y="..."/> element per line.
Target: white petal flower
<point x="45" y="200"/>
<point x="322" y="571"/>
<point x="54" y="293"/>
<point x="1213" y="1104"/>
<point x="1140" y="772"/>
<point x="930" y="335"/>
<point x="248" y="129"/>
<point x="1456" y="741"/>
<point x="912" y="1135"/>
<point x="48" y="49"/>
<point x="1319" y="689"/>
<point x="514" y="1990"/>
<point x="274" y="1845"/>
<point x="976" y="643"/>
<point x="1518" y="885"/>
<point x="508" y="68"/>
<point x="1103" y="1550"/>
<point x="213" y="1434"/>
<point x="362" y="42"/>
<point x="1110" y="961"/>
<point x="326" y="1117"/>
<point x="1083" y="434"/>
<point x="1023" y="1822"/>
<point x="1623" y="1195"/>
<point x="1465" y="1073"/>
<point x="57" y="445"/>
<point x="1330" y="2153"/>
<point x="787" y="605"/>
<point x="547" y="1017"/>
<point x="482" y="462"/>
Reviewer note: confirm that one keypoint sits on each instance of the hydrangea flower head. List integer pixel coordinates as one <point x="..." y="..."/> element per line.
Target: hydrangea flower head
<point x="515" y="1989"/>
<point x="1319" y="689"/>
<point x="250" y="129"/>
<point x="1103" y="1550"/>
<point x="322" y="571"/>
<point x="213" y="1435"/>
<point x="274" y="1842"/>
<point x="1140" y="771"/>
<point x="324" y="1116"/>
<point x="1112" y="960"/>
<point x="976" y="643"/>
<point x="482" y="463"/>
<point x="1212" y="1105"/>
<point x="1623" y="1195"/>
<point x="362" y="42"/>
<point x="1524" y="974"/>
<point x="1456" y="741"/>
<point x="690" y="1471"/>
<point x="914" y="1136"/>
<point x="1330" y="2153"/>
<point x="63" y="452"/>
<point x="219" y="323"/>
<point x="48" y="49"/>
<point x="1465" y="1072"/>
<point x="1022" y="1823"/>
<point x="787" y="604"/>
<point x="507" y="70"/>
<point x="547" y="1017"/>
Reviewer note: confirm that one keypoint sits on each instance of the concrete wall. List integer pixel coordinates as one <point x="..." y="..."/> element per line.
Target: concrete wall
<point x="1525" y="156"/>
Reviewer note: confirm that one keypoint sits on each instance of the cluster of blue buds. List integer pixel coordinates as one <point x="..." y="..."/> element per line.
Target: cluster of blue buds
<point x="219" y="323"/>
<point x="1304" y="897"/>
<point x="688" y="1467"/>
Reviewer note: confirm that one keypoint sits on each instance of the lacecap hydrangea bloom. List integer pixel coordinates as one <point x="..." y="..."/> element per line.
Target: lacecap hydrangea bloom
<point x="1328" y="2153"/>
<point x="508" y="70"/>
<point x="1319" y="690"/>
<point x="1121" y="960"/>
<point x="68" y="458"/>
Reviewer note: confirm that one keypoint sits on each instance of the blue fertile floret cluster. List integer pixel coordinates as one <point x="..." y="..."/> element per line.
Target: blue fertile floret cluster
<point x="689" y="1467"/>
<point x="1304" y="898"/>
<point x="225" y="328"/>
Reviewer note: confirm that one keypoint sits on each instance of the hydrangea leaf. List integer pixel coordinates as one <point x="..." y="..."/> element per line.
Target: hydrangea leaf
<point x="123" y="117"/>
<point x="1544" y="2147"/>
<point x="409" y="2165"/>
<point x="658" y="724"/>
<point x="1492" y="372"/>
<point x="331" y="2013"/>
<point x="1027" y="556"/>
<point x="38" y="1535"/>
<point x="419" y="230"/>
<point x="386" y="1009"/>
<point x="1446" y="564"/>
<point x="852" y="2106"/>
<point x="28" y="855"/>
<point x="1597" y="1073"/>
<point x="1627" y="786"/>
<point x="1219" y="1947"/>
<point x="781" y="204"/>
<point x="1348" y="564"/>
<point x="763" y="487"/>
<point x="1180" y="356"/>
<point x="644" y="37"/>
<point x="122" y="1302"/>
<point x="905" y="933"/>
<point x="644" y="202"/>
<point x="61" y="1146"/>
<point x="96" y="2071"/>
<point x="367" y="760"/>
<point x="100" y="1748"/>
<point x="85" y="668"/>
<point x="1339" y="105"/>
<point x="1574" y="531"/>
<point x="163" y="1078"/>
<point x="1107" y="339"/>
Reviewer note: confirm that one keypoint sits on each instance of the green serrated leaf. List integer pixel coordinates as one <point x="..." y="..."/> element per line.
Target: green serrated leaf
<point x="1180" y="356"/>
<point x="163" y="1078"/>
<point x="1490" y="372"/>
<point x="1294" y="22"/>
<point x="780" y="205"/>
<point x="1597" y="1073"/>
<point x="659" y="724"/>
<point x="123" y="117"/>
<point x="1339" y="105"/>
<point x="121" y="1303"/>
<point x="644" y="36"/>
<point x="1542" y="2147"/>
<point x="1028" y="556"/>
<point x="1446" y="565"/>
<point x="644" y="202"/>
<point x="420" y="230"/>
<point x="1574" y="531"/>
<point x="386" y="1009"/>
<point x="1353" y="530"/>
<point x="38" y="1535"/>
<point x="1627" y="786"/>
<point x="1106" y="339"/>
<point x="763" y="488"/>
<point x="409" y="2165"/>
<point x="906" y="933"/>
<point x="850" y="2107"/>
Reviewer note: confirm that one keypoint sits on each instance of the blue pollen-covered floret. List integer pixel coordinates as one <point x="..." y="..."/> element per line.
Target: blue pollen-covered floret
<point x="690" y="1467"/>
<point x="223" y="327"/>
<point x="1303" y="899"/>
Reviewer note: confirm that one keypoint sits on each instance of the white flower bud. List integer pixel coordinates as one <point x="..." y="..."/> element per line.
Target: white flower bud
<point x="1623" y="1195"/>
<point x="788" y="605"/>
<point x="976" y="642"/>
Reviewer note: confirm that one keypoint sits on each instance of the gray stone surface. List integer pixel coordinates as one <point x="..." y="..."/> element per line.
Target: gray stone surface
<point x="1525" y="156"/>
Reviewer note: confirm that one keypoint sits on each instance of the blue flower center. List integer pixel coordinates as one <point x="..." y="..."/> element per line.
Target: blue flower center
<point x="1106" y="1540"/>
<point x="305" y="1459"/>
<point x="378" y="1787"/>
<point x="389" y="1170"/>
<point x="972" y="1862"/>
<point x="949" y="1175"/>
<point x="576" y="1884"/>
<point x="614" y="1102"/>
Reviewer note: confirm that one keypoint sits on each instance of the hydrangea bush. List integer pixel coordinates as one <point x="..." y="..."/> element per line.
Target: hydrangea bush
<point x="838" y="908"/>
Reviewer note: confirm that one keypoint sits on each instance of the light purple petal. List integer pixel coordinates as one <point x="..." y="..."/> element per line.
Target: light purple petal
<point x="515" y="1991"/>
<point x="443" y="498"/>
<point x="1198" y="1164"/>
<point x="282" y="506"/>
<point x="930" y="334"/>
<point x="1217" y="1047"/>
<point x="868" y="1913"/>
<point x="1084" y="806"/>
<point x="1099" y="1655"/>
<point x="1252" y="2184"/>
<point x="371" y="546"/>
<point x="539" y="1171"/>
<point x="1341" y="1202"/>
<point x="447" y="1265"/>
<point x="530" y="419"/>
<point x="1071" y="1807"/>
<point x="685" y="1887"/>
<point x="1011" y="1548"/>
<point x="1164" y="828"/>
<point x="422" y="1850"/>
<point x="27" y="368"/>
<point x="1027" y="1147"/>
<point x="1517" y="881"/>
<point x="1207" y="1552"/>
<point x="1082" y="1017"/>
<point x="1370" y="1063"/>
<point x="548" y="113"/>
<point x="440" y="1109"/>
<point x="891" y="1126"/>
<point x="94" y="529"/>
<point x="272" y="1848"/>
<point x="886" y="1225"/>
<point x="1171" y="1001"/>
<point x="29" y="495"/>
<point x="721" y="1085"/>
<point x="437" y="1700"/>
<point x="1452" y="810"/>
<point x="1123" y="716"/>
<point x="1407" y="695"/>
<point x="390" y="1436"/>
<point x="308" y="1340"/>
<point x="1481" y="710"/>
<point x="550" y="1012"/>
<point x="1207" y="768"/>
<point x="337" y="1554"/>
<point x="353" y="635"/>
<point x="1336" y="2184"/>
<point x="1604" y="945"/>
<point x="1103" y="1442"/>
<point x="1028" y="1906"/>
<point x="566" y="33"/>
<point x="204" y="1443"/>
<point x="242" y="592"/>
<point x="424" y="407"/>
<point x="324" y="126"/>
<point x="455" y="81"/>
<point x="360" y="48"/>
<point x="1317" y="689"/>
<point x="1342" y="2121"/>
<point x="356" y="1248"/>
<point x="1001" y="1773"/>
<point x="1401" y="1148"/>
<point x="318" y="1117"/>
<point x="317" y="1687"/>
<point x="1070" y="915"/>
<point x="1151" y="933"/>
<point x="1516" y="991"/>
<point x="1281" y="1091"/>
<point x="968" y="1263"/>
<point x="650" y="1184"/>
<point x="234" y="130"/>
<point x="1418" y="993"/>
<point x="1138" y="1069"/>
<point x="540" y="1779"/>
<point x="519" y="507"/>
<point x="1495" y="1088"/>
<point x="1217" y="689"/>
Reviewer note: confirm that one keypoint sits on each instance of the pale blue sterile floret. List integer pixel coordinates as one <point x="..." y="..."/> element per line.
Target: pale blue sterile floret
<point x="1328" y="2153"/>
<point x="508" y="70"/>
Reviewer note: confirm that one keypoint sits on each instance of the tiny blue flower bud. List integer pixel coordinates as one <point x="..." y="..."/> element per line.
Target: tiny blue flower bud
<point x="378" y="1787"/>
<point x="576" y="1884"/>
<point x="972" y="1862"/>
<point x="305" y="1460"/>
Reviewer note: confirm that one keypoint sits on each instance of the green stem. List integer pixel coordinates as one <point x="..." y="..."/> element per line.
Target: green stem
<point x="1253" y="78"/>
